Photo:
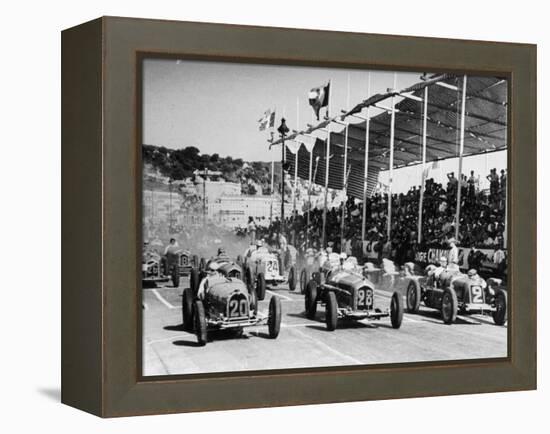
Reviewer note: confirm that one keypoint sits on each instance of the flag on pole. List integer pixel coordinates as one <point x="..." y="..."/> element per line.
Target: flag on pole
<point x="267" y="120"/>
<point x="318" y="98"/>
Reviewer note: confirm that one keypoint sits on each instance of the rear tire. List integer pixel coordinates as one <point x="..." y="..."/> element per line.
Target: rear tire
<point x="331" y="312"/>
<point x="292" y="278"/>
<point x="413" y="296"/>
<point x="274" y="319"/>
<point x="194" y="281"/>
<point x="200" y="323"/>
<point x="187" y="309"/>
<point x="303" y="281"/>
<point x="260" y="286"/>
<point x="449" y="306"/>
<point x="317" y="277"/>
<point x="310" y="299"/>
<point x="253" y="300"/>
<point x="501" y="304"/>
<point x="396" y="310"/>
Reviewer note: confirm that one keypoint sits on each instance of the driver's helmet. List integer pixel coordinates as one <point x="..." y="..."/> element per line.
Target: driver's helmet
<point x="221" y="251"/>
<point x="259" y="243"/>
<point x="443" y="261"/>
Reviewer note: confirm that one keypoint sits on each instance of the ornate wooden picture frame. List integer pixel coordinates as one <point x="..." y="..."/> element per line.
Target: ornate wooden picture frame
<point x="102" y="215"/>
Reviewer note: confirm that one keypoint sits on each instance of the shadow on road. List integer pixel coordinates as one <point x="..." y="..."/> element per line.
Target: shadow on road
<point x="175" y="328"/>
<point x="182" y="343"/>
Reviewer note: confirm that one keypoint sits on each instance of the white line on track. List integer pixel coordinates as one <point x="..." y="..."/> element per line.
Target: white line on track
<point x="284" y="297"/>
<point x="163" y="300"/>
<point x="330" y="349"/>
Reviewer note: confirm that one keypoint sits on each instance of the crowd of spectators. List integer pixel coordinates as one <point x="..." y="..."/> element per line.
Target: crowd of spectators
<point x="482" y="220"/>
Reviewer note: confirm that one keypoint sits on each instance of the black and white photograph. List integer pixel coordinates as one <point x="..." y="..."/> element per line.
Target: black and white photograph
<point x="304" y="217"/>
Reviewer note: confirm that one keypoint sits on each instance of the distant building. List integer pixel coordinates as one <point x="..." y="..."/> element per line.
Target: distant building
<point x="234" y="210"/>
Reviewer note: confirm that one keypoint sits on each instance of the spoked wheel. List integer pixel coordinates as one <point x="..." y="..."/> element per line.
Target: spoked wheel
<point x="413" y="296"/>
<point x="396" y="310"/>
<point x="331" y="313"/>
<point x="200" y="323"/>
<point x="449" y="306"/>
<point x="274" y="318"/>
<point x="501" y="305"/>
<point x="310" y="299"/>
<point x="260" y="286"/>
<point x="187" y="309"/>
<point x="292" y="278"/>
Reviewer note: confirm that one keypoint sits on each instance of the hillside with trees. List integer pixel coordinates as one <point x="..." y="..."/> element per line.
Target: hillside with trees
<point x="178" y="164"/>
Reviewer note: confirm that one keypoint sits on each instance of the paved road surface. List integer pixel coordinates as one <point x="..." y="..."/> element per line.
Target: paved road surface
<point x="168" y="349"/>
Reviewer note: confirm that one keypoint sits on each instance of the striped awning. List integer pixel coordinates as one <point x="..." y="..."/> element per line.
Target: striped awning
<point x="485" y="130"/>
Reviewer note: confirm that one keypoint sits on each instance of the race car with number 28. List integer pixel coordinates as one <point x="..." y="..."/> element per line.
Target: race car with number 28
<point x="347" y="294"/>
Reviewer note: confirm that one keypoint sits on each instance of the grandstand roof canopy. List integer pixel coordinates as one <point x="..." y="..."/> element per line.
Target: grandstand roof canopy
<point x="485" y="127"/>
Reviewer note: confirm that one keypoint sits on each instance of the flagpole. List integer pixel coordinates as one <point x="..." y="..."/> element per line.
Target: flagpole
<point x="327" y="157"/>
<point x="366" y="180"/>
<point x="343" y="216"/>
<point x="462" y="121"/>
<point x="423" y="180"/>
<point x="392" y="139"/>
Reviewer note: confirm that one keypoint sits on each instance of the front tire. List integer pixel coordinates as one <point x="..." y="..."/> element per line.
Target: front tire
<point x="260" y="286"/>
<point x="331" y="313"/>
<point x="413" y="296"/>
<point x="303" y="281"/>
<point x="274" y="319"/>
<point x="187" y="309"/>
<point x="194" y="281"/>
<point x="449" y="306"/>
<point x="501" y="304"/>
<point x="292" y="278"/>
<point x="176" y="276"/>
<point x="200" y="323"/>
<point x="310" y="299"/>
<point x="396" y="310"/>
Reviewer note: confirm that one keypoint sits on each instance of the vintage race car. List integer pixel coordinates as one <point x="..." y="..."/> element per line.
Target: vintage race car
<point x="346" y="293"/>
<point x="184" y="260"/>
<point x="153" y="269"/>
<point x="226" y="268"/>
<point x="452" y="293"/>
<point x="263" y="267"/>
<point x="227" y="303"/>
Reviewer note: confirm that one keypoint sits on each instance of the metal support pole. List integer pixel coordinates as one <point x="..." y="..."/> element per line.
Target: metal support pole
<point x="295" y="163"/>
<point x="392" y="139"/>
<point x="309" y="197"/>
<point x="327" y="158"/>
<point x="423" y="180"/>
<point x="271" y="191"/>
<point x="283" y="186"/>
<point x="344" y="188"/>
<point x="366" y="180"/>
<point x="345" y="174"/>
<point x="461" y="152"/>
<point x="204" y="196"/>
